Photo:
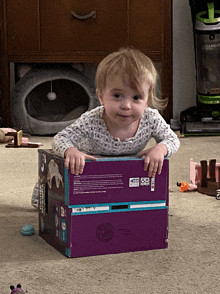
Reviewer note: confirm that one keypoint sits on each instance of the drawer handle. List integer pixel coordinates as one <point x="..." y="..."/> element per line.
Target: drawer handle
<point x="83" y="17"/>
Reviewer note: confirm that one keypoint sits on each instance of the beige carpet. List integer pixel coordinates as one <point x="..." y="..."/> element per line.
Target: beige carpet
<point x="189" y="265"/>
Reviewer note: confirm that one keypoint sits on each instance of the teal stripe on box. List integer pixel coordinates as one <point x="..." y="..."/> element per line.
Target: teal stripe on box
<point x="116" y="159"/>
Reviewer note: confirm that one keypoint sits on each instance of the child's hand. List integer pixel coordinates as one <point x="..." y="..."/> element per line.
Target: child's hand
<point x="75" y="160"/>
<point x="154" y="159"/>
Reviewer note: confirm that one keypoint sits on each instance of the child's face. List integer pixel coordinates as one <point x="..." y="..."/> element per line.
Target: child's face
<point x="124" y="105"/>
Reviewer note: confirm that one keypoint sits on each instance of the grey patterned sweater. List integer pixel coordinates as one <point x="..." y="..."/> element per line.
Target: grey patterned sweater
<point x="90" y="135"/>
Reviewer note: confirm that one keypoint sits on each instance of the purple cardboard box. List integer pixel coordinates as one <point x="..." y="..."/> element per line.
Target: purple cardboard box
<point x="112" y="207"/>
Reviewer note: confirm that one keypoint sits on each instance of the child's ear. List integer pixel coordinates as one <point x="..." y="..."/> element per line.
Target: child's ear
<point x="99" y="96"/>
<point x="101" y="101"/>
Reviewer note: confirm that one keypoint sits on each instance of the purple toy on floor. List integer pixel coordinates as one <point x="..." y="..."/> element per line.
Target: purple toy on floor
<point x="17" y="289"/>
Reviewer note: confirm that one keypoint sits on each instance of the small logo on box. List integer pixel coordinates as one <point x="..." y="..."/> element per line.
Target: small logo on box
<point x="145" y="181"/>
<point x="105" y="232"/>
<point x="134" y="182"/>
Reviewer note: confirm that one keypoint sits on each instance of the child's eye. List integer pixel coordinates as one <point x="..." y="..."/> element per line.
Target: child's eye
<point x="137" y="97"/>
<point x="117" y="95"/>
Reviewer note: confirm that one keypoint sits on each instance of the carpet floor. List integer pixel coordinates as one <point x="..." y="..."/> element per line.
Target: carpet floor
<point x="190" y="264"/>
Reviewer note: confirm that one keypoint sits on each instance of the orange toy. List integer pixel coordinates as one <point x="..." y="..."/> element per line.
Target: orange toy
<point x="183" y="186"/>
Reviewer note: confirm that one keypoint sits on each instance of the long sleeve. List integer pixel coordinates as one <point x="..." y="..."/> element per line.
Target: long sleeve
<point x="162" y="132"/>
<point x="89" y="134"/>
<point x="76" y="135"/>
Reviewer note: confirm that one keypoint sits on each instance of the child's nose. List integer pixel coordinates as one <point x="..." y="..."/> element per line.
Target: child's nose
<point x="126" y="104"/>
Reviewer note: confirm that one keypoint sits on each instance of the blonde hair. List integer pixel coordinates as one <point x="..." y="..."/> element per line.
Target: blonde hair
<point x="134" y="67"/>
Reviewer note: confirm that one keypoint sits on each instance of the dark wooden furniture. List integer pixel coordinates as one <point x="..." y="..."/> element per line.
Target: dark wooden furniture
<point x="71" y="31"/>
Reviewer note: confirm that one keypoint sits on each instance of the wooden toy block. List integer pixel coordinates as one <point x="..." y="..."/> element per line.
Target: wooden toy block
<point x="20" y="141"/>
<point x="17" y="138"/>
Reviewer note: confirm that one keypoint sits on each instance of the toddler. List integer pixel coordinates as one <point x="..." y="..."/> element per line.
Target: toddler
<point x="125" y="121"/>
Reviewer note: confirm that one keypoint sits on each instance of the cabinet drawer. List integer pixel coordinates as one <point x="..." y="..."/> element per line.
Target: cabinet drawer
<point x="106" y="30"/>
<point x="22" y="25"/>
<point x="147" y="24"/>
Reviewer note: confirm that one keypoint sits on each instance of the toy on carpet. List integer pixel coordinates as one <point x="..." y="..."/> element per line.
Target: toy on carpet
<point x="3" y="138"/>
<point x="16" y="138"/>
<point x="27" y="230"/>
<point x="195" y="171"/>
<point x="183" y="186"/>
<point x="206" y="176"/>
<point x="209" y="185"/>
<point x="18" y="289"/>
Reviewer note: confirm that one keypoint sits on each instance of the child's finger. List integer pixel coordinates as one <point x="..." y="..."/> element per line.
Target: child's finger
<point x="140" y="154"/>
<point x="72" y="166"/>
<point x="152" y="169"/>
<point x="77" y="166"/>
<point x="160" y="166"/>
<point x="82" y="165"/>
<point x="67" y="162"/>
<point x="146" y="163"/>
<point x="90" y="157"/>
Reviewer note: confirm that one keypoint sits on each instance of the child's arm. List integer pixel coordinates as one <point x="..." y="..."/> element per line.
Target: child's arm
<point x="74" y="143"/>
<point x="153" y="161"/>
<point x="162" y="133"/>
<point x="167" y="142"/>
<point x="75" y="160"/>
<point x="76" y="135"/>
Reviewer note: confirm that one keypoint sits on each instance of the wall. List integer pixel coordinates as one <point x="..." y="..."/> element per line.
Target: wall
<point x="184" y="73"/>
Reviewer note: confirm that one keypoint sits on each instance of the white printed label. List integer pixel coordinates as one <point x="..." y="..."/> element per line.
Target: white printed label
<point x="134" y="182"/>
<point x="148" y="205"/>
<point x="89" y="209"/>
<point x="145" y="181"/>
<point x="152" y="184"/>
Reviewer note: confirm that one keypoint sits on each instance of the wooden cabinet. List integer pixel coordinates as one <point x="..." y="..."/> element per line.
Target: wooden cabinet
<point x="22" y="27"/>
<point x="103" y="29"/>
<point x="84" y="31"/>
<point x="69" y="25"/>
<point x="146" y="25"/>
